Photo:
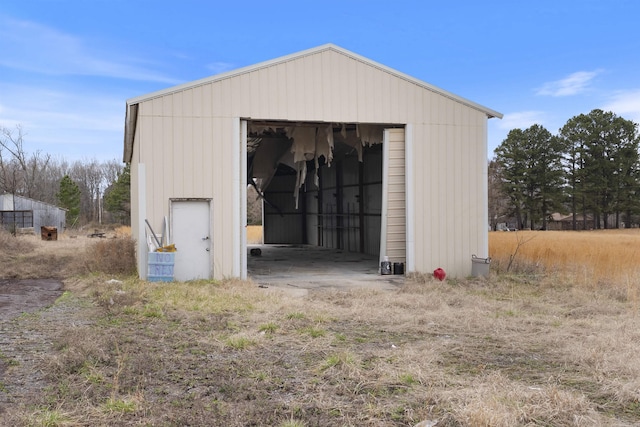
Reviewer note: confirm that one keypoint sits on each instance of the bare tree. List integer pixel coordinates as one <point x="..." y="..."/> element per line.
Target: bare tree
<point x="49" y="184"/>
<point x="38" y="175"/>
<point x="93" y="178"/>
<point x="111" y="170"/>
<point x="498" y="201"/>
<point x="19" y="171"/>
<point x="9" y="173"/>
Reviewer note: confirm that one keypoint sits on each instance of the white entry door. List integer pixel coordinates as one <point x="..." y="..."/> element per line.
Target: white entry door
<point x="190" y="232"/>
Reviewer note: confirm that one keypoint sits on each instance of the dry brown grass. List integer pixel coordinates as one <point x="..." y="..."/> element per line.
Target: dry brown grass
<point x="466" y="353"/>
<point x="28" y="256"/>
<point x="581" y="257"/>
<point x="521" y="349"/>
<point x="123" y="231"/>
<point x="11" y="245"/>
<point x="112" y="256"/>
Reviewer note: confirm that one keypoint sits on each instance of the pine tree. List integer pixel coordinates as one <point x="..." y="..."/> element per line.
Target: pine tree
<point x="546" y="173"/>
<point x="117" y="199"/>
<point x="511" y="157"/>
<point x="531" y="164"/>
<point x="604" y="157"/>
<point x="574" y="134"/>
<point x="69" y="198"/>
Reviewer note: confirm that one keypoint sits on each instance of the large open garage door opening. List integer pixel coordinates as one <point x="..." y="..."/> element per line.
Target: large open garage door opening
<point x="330" y="198"/>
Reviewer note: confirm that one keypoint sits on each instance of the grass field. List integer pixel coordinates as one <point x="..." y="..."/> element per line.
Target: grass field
<point x="553" y="341"/>
<point x="603" y="258"/>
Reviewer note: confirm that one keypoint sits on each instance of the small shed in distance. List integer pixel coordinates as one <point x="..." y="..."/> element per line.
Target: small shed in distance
<point x="17" y="212"/>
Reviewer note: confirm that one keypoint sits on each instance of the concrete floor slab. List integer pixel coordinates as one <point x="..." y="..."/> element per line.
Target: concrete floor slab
<point x="305" y="267"/>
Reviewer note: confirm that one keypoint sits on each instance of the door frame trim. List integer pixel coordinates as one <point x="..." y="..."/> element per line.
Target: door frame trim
<point x="240" y="193"/>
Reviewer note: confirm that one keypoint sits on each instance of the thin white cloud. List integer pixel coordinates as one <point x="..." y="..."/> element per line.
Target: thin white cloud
<point x="625" y="104"/>
<point x="74" y="124"/>
<point x="37" y="106"/>
<point x="521" y="120"/>
<point x="220" y="67"/>
<point x="573" y="84"/>
<point x="499" y="129"/>
<point x="29" y="46"/>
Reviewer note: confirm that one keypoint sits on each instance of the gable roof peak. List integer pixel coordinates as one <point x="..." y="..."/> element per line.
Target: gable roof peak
<point x="312" y="51"/>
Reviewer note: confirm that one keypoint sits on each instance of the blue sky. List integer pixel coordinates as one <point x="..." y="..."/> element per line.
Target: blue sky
<point x="68" y="66"/>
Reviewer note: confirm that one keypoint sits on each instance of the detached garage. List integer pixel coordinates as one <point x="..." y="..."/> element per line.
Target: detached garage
<point x="346" y="153"/>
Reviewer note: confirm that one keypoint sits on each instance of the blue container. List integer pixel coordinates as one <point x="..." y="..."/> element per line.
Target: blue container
<point x="160" y="266"/>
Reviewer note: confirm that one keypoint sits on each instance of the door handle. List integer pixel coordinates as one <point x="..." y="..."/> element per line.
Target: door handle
<point x="205" y="238"/>
<point x="207" y="249"/>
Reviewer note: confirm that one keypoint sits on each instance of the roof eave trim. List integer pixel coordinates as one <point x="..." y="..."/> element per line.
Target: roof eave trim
<point x="130" y="123"/>
<point x="231" y="73"/>
<point x="490" y="113"/>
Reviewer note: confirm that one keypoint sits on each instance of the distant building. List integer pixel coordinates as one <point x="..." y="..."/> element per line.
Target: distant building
<point x="17" y="212"/>
<point x="559" y="221"/>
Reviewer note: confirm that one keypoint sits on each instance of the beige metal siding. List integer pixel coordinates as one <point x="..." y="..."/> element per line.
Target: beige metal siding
<point x="396" y="214"/>
<point x="450" y="194"/>
<point x="185" y="139"/>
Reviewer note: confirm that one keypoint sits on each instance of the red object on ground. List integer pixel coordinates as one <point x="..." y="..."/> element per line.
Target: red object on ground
<point x="439" y="274"/>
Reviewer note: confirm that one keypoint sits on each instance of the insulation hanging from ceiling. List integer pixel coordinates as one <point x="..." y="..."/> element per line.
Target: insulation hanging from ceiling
<point x="310" y="143"/>
<point x="305" y="143"/>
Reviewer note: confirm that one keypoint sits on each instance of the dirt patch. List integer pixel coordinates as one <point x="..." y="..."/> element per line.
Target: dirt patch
<point x="31" y="281"/>
<point x="27" y="335"/>
<point x="27" y="296"/>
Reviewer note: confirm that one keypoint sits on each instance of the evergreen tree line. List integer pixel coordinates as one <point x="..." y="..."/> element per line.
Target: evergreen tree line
<point x="590" y="170"/>
<point x="92" y="191"/>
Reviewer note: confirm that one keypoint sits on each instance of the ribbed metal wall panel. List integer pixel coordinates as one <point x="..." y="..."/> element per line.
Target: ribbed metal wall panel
<point x="396" y="214"/>
<point x="450" y="194"/>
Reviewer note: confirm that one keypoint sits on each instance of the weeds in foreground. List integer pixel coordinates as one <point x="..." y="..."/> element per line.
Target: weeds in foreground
<point x="121" y="406"/>
<point x="513" y="350"/>
<point x="519" y="242"/>
<point x="50" y="418"/>
<point x="268" y="328"/>
<point x="13" y="245"/>
<point x="9" y="361"/>
<point x="112" y="256"/>
<point x="239" y="342"/>
<point x="496" y="352"/>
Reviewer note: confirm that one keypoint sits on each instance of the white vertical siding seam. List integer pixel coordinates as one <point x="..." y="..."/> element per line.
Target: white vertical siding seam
<point x="484" y="232"/>
<point x="235" y="269"/>
<point x="243" y="200"/>
<point x="219" y="172"/>
<point x="142" y="215"/>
